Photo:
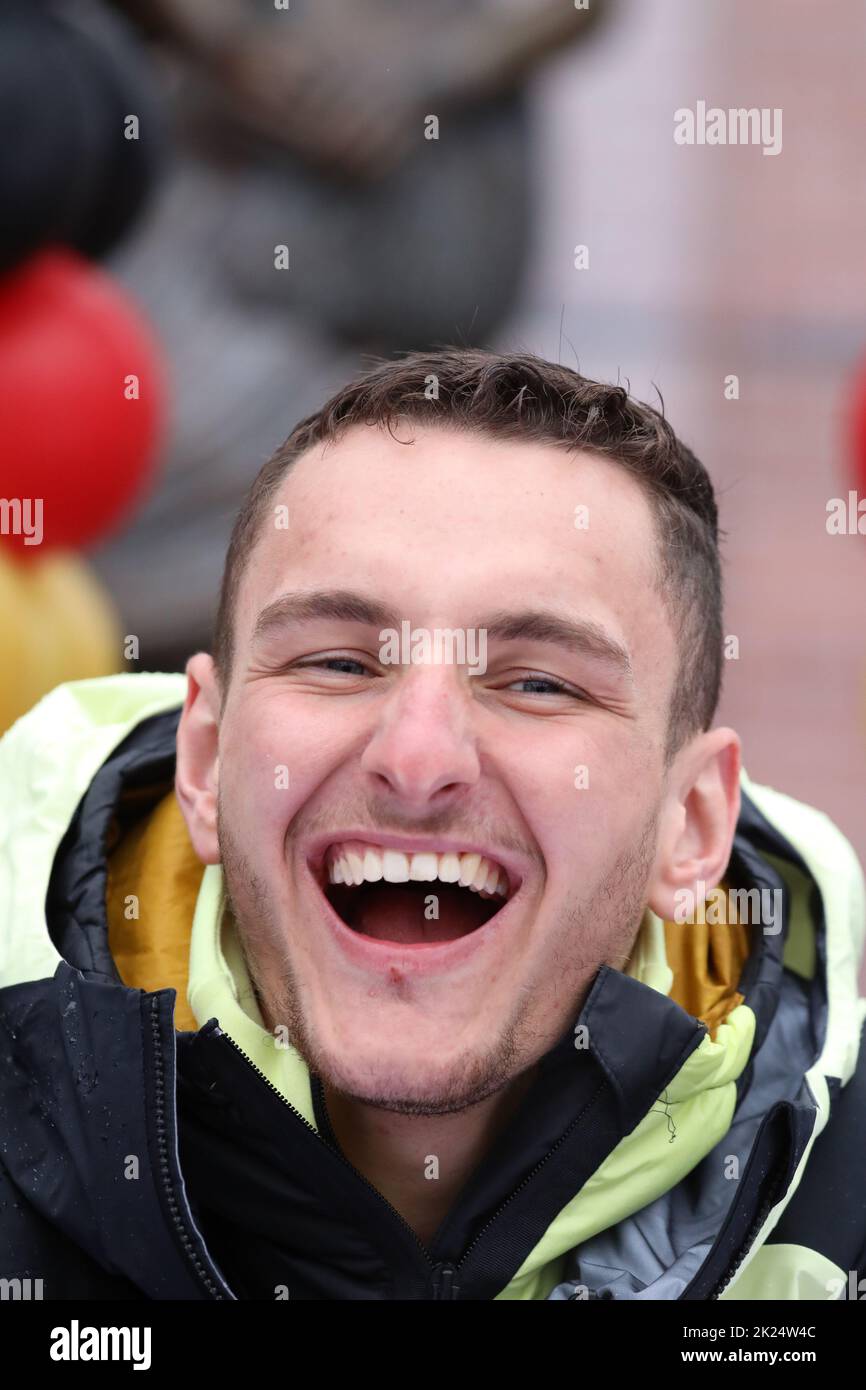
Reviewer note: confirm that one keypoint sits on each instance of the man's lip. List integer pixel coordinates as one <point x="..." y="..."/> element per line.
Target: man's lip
<point x="418" y="844"/>
<point x="418" y="958"/>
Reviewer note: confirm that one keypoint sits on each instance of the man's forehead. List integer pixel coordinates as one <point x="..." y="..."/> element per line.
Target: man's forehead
<point x="450" y="519"/>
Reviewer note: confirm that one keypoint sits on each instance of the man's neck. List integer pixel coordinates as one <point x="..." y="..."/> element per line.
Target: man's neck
<point x="420" y="1163"/>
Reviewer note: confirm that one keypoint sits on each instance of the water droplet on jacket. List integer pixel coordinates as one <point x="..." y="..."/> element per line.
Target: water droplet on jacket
<point x="86" y="1080"/>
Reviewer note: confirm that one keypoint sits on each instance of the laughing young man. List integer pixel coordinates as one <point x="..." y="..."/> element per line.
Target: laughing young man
<point x="337" y="969"/>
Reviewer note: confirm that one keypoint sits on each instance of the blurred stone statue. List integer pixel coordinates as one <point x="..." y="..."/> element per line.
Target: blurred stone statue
<point x="385" y="145"/>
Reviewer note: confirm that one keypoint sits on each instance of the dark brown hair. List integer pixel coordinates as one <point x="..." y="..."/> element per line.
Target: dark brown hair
<point x="523" y="397"/>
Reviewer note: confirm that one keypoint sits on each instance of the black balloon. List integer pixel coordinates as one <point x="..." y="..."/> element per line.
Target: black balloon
<point x="68" y="174"/>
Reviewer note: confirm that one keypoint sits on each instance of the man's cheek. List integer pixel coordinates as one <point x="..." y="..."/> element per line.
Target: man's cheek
<point x="602" y="809"/>
<point x="574" y="809"/>
<point x="262" y="789"/>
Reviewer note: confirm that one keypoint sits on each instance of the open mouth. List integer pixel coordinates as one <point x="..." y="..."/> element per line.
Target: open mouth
<point x="416" y="897"/>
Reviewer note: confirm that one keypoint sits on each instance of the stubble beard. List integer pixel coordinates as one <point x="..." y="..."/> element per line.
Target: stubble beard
<point x="592" y="934"/>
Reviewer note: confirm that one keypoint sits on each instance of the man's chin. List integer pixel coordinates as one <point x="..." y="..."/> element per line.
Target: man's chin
<point x="406" y="1081"/>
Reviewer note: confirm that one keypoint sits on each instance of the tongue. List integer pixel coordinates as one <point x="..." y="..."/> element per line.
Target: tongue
<point x="399" y="911"/>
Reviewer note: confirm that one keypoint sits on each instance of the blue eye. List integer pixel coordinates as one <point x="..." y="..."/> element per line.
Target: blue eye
<point x="536" y="681"/>
<point x="341" y="662"/>
<point x="555" y="687"/>
<point x="336" y="665"/>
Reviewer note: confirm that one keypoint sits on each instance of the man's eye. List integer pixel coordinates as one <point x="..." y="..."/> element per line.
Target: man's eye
<point x="554" y="687"/>
<point x="335" y="663"/>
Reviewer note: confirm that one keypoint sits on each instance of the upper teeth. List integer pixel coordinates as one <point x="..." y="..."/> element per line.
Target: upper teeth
<point x="356" y="863"/>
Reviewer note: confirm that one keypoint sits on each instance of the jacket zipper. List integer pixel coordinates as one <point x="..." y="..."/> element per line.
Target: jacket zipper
<point x="528" y="1179"/>
<point x="444" y="1284"/>
<point x="181" y="1229"/>
<point x="730" y="1273"/>
<point x="442" y="1274"/>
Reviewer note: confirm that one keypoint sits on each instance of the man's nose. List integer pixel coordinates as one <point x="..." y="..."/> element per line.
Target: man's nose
<point x="424" y="747"/>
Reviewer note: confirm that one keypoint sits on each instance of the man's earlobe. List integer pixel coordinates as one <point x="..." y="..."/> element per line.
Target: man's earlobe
<point x="697" y="825"/>
<point x="196" y="779"/>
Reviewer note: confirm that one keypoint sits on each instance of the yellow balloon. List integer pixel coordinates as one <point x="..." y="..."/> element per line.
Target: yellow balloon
<point x="56" y="624"/>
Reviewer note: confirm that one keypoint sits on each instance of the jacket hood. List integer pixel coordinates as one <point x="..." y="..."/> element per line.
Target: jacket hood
<point x="658" y="1171"/>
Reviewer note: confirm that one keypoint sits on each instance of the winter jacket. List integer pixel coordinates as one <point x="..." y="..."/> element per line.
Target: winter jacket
<point x="698" y="1131"/>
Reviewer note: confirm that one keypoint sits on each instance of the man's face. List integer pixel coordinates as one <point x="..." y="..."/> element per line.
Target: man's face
<point x="546" y="758"/>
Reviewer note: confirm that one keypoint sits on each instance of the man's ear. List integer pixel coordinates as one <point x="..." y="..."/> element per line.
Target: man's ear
<point x="197" y="774"/>
<point x="697" y="824"/>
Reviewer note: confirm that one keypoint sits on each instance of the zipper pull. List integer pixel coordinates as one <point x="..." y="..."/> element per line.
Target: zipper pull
<point x="444" y="1283"/>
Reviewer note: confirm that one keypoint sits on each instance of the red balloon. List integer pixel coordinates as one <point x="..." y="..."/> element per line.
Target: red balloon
<point x="857" y="426"/>
<point x="81" y="403"/>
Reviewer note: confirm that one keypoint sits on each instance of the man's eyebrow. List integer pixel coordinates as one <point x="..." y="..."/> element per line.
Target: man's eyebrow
<point x="527" y="625"/>
<point x="578" y="634"/>
<point x="338" y="605"/>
